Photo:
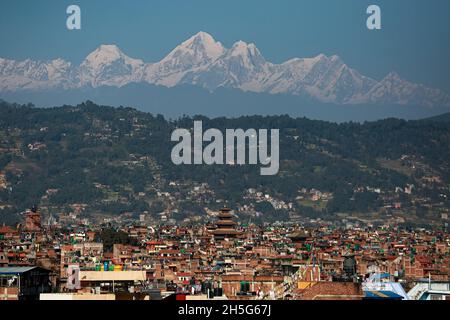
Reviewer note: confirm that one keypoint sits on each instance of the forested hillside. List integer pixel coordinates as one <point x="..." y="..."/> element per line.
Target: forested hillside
<point x="116" y="160"/>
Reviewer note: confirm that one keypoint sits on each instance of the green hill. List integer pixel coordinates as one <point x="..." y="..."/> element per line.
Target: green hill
<point x="116" y="160"/>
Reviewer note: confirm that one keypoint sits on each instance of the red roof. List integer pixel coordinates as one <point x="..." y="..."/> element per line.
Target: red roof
<point x="7" y="229"/>
<point x="183" y="274"/>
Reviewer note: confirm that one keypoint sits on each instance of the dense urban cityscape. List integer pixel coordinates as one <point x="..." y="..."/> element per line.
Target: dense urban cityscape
<point x="58" y="260"/>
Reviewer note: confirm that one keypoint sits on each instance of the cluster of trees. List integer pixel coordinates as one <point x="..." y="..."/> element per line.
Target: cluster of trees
<point x="109" y="237"/>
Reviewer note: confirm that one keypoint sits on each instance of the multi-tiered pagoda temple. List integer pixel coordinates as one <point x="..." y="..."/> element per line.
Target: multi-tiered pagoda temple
<point x="225" y="226"/>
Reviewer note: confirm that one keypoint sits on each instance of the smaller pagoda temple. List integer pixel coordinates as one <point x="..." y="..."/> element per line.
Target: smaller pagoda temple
<point x="33" y="220"/>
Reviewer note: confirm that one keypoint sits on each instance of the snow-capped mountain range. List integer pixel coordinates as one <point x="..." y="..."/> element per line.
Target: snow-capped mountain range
<point x="204" y="62"/>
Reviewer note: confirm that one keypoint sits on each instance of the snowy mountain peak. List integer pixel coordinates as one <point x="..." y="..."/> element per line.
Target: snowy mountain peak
<point x="108" y="65"/>
<point x="205" y="62"/>
<point x="336" y="58"/>
<point x="318" y="58"/>
<point x="112" y="48"/>
<point x="242" y="48"/>
<point x="394" y="89"/>
<point x="60" y="62"/>
<point x="393" y="76"/>
<point x="201" y="37"/>
<point x="197" y="48"/>
<point x="245" y="55"/>
<point x="198" y="51"/>
<point x="240" y="45"/>
<point x="105" y="54"/>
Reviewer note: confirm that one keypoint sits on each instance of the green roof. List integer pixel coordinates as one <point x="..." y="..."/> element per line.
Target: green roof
<point x="15" y="270"/>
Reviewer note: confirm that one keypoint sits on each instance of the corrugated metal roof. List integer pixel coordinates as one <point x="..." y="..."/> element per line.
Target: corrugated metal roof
<point x="15" y="270"/>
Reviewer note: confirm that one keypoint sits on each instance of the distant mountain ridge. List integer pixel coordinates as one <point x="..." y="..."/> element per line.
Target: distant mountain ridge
<point x="441" y="117"/>
<point x="202" y="61"/>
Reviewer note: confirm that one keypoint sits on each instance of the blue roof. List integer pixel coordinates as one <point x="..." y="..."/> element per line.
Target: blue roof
<point x="370" y="294"/>
<point x="381" y="275"/>
<point x="15" y="270"/>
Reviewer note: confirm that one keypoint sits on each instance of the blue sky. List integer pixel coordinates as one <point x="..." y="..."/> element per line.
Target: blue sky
<point x="414" y="40"/>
